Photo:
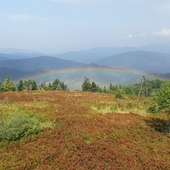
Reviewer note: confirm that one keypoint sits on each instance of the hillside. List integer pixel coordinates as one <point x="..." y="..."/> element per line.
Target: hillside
<point x="42" y="63"/>
<point x="145" y="61"/>
<point x="8" y="56"/>
<point x="19" y="55"/>
<point x="5" y="56"/>
<point x="102" y="75"/>
<point x="74" y="77"/>
<point x="91" y="55"/>
<point x="15" y="50"/>
<point x="157" y="47"/>
<point x="117" y="69"/>
<point x="85" y="131"/>
<point x="15" y="74"/>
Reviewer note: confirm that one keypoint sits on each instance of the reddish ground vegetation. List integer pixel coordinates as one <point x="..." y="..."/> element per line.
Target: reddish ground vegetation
<point x="82" y="139"/>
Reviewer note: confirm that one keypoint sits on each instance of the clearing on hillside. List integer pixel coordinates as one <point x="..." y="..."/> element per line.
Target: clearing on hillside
<point x="81" y="130"/>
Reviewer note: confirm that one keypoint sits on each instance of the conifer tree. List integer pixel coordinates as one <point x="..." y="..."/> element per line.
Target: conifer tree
<point x="63" y="86"/>
<point x="104" y="89"/>
<point x="43" y="86"/>
<point x="86" y="86"/>
<point x="34" y="85"/>
<point x="56" y="85"/>
<point x="50" y="86"/>
<point x="94" y="87"/>
<point x="8" y="84"/>
<point x="27" y="84"/>
<point x="20" y="85"/>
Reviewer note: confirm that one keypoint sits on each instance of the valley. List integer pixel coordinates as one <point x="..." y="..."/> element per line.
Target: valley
<point x="119" y="66"/>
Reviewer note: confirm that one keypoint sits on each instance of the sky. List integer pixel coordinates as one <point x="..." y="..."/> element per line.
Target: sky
<point x="55" y="26"/>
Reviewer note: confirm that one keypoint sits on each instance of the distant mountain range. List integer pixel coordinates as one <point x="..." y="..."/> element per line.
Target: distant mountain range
<point x="4" y="56"/>
<point x="95" y="54"/>
<point x="110" y="65"/>
<point x="42" y="63"/>
<point x="144" y="61"/>
<point x="16" y="51"/>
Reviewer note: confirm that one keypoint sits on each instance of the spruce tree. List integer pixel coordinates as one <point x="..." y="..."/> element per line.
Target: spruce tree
<point x="34" y="85"/>
<point x="94" y="87"/>
<point x="20" y="85"/>
<point x="56" y="85"/>
<point x="86" y="86"/>
<point x="8" y="84"/>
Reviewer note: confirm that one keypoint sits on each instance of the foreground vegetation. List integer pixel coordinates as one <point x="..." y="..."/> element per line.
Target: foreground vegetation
<point x="81" y="130"/>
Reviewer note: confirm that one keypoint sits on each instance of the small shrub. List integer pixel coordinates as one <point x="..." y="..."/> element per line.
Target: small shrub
<point x="17" y="126"/>
<point x="120" y="94"/>
<point x="153" y="109"/>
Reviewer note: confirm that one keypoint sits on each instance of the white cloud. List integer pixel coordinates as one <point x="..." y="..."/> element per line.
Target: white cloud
<point x="164" y="32"/>
<point x="130" y="36"/>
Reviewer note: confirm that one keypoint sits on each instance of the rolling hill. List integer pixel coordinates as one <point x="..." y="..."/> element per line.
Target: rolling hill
<point x="91" y="55"/>
<point x="157" y="47"/>
<point x="11" y="56"/>
<point x="15" y="50"/>
<point x="145" y="61"/>
<point x="42" y="63"/>
<point x="102" y="75"/>
<point x="111" y="69"/>
<point x="15" y="74"/>
<point x="5" y="56"/>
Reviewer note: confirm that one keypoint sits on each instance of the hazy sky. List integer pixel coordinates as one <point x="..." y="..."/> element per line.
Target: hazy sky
<point x="62" y="25"/>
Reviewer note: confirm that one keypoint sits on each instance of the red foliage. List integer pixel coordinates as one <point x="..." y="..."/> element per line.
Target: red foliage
<point x="82" y="140"/>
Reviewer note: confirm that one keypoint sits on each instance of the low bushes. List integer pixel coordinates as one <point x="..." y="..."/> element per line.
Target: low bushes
<point x="17" y="126"/>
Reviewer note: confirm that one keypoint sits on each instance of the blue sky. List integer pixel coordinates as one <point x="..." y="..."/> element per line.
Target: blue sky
<point x="55" y="26"/>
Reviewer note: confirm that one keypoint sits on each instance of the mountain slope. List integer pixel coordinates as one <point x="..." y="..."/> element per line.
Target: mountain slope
<point x="18" y="56"/>
<point x="5" y="56"/>
<point x="39" y="63"/>
<point x="91" y="55"/>
<point x="139" y="60"/>
<point x="102" y="75"/>
<point x="14" y="73"/>
<point x="157" y="47"/>
<point x="75" y="72"/>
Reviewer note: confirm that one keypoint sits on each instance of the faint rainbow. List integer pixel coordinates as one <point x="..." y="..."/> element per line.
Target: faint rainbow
<point x="90" y="68"/>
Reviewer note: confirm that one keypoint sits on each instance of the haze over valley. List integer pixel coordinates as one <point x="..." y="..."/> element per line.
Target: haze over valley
<point x="124" y="66"/>
<point x="106" y="41"/>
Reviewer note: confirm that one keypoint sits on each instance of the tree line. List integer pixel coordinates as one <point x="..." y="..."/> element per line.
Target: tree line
<point x="9" y="85"/>
<point x="159" y="91"/>
<point x="153" y="86"/>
